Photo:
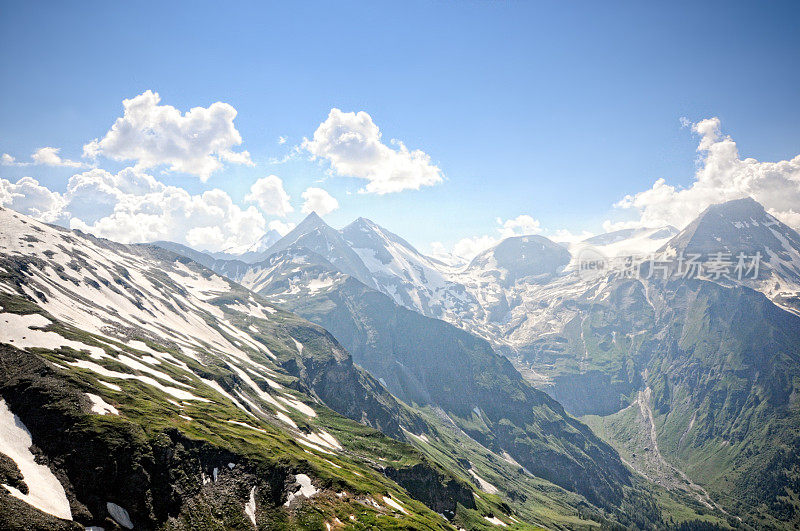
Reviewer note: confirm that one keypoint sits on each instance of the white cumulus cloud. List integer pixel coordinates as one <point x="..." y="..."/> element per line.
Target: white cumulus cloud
<point x="28" y="197"/>
<point x="281" y="227"/>
<point x="197" y="142"/>
<point x="351" y="143"/>
<point x="467" y="248"/>
<point x="319" y="201"/>
<point x="721" y="176"/>
<point x="46" y="156"/>
<point x="269" y="195"/>
<point x="567" y="236"/>
<point x="131" y="206"/>
<point x="49" y="156"/>
<point x="522" y="224"/>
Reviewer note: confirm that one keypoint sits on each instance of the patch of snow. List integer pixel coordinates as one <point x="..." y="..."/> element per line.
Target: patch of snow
<point x="496" y="521"/>
<point x="302" y="488"/>
<point x="485" y="485"/>
<point x="110" y="385"/>
<point x="137" y="366"/>
<point x="302" y="439"/>
<point x="100" y="406"/>
<point x="263" y="395"/>
<point x="218" y="388"/>
<point x="422" y="437"/>
<point x="299" y="406"/>
<point x="319" y="284"/>
<point x="286" y="419"/>
<point x="15" y="329"/>
<point x="510" y="460"/>
<point x="141" y="345"/>
<point x="45" y="492"/>
<point x="334" y="465"/>
<point x="250" y="506"/>
<point x="393" y="504"/>
<point x="324" y="439"/>
<point x="244" y="424"/>
<point x="180" y="394"/>
<point x="298" y="345"/>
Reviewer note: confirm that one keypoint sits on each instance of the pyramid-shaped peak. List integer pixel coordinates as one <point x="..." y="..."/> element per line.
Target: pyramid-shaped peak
<point x="312" y="219"/>
<point x="362" y="231"/>
<point x="744" y="207"/>
<point x="362" y="222"/>
<point x="741" y="225"/>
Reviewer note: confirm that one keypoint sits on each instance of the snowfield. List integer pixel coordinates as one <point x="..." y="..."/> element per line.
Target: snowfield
<point x="45" y="492"/>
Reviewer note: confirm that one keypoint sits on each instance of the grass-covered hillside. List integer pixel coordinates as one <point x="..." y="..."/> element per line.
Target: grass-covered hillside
<point x="140" y="390"/>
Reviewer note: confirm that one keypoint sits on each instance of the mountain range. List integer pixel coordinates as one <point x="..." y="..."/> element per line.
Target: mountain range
<point x="340" y="378"/>
<point x="607" y="347"/>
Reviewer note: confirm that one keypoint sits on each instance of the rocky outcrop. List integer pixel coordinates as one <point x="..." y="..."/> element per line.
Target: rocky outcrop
<point x="439" y="491"/>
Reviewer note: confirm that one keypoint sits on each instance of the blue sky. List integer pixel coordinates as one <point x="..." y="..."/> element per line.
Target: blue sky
<point x="555" y="110"/>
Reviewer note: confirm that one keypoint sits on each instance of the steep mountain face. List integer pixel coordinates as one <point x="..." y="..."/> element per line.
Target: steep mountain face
<point x="712" y="375"/>
<point x="704" y="368"/>
<point x="315" y="235"/>
<point x="431" y="363"/>
<point x="743" y="227"/>
<point x="729" y="398"/>
<point x="140" y="390"/>
<point x="397" y="269"/>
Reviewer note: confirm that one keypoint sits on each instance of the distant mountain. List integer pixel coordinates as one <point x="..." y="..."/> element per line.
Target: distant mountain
<point x="401" y="272"/>
<point x="230" y="268"/>
<point x="249" y="254"/>
<point x="534" y="258"/>
<point x="743" y="227"/>
<point x="315" y="235"/>
<point x="739" y="225"/>
<point x="626" y="242"/>
<point x="687" y="376"/>
<point x="369" y="253"/>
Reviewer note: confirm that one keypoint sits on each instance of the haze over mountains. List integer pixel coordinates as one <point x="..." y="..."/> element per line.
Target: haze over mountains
<point x="513" y="391"/>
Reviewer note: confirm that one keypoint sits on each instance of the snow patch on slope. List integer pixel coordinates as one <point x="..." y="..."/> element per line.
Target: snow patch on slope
<point x="45" y="492"/>
<point x="302" y="488"/>
<point x="100" y="406"/>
